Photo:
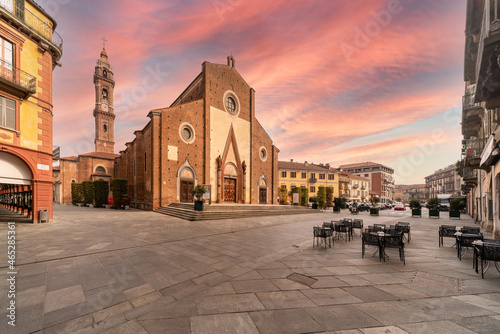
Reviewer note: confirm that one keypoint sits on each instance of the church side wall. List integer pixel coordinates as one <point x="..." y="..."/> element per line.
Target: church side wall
<point x="263" y="167"/>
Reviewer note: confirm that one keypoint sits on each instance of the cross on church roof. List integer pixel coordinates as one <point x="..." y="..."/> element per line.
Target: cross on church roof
<point x="104" y="40"/>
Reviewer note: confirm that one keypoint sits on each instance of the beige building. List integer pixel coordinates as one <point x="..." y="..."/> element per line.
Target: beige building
<point x="380" y="176"/>
<point x="307" y="175"/>
<point x="359" y="188"/>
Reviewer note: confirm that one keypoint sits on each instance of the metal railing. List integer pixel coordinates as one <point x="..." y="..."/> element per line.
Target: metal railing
<point x="485" y="32"/>
<point x="468" y="102"/>
<point x="35" y="23"/>
<point x="470" y="173"/>
<point x="17" y="76"/>
<point x="313" y="180"/>
<point x="474" y="147"/>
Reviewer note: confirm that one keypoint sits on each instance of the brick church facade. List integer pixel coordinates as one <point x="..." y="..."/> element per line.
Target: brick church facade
<point x="97" y="165"/>
<point x="208" y="136"/>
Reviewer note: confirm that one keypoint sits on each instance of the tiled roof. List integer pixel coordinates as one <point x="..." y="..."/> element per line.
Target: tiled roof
<point x="72" y="158"/>
<point x="101" y="155"/>
<point x="302" y="166"/>
<point x="360" y="164"/>
<point x="355" y="177"/>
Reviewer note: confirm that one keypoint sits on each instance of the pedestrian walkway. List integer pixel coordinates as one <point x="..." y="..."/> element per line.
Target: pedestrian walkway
<point x="98" y="270"/>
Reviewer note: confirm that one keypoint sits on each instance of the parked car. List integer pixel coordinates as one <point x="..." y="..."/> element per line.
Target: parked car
<point x="399" y="207"/>
<point x="383" y="206"/>
<point x="363" y="207"/>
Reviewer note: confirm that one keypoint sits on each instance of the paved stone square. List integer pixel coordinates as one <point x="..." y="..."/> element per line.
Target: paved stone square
<point x="107" y="271"/>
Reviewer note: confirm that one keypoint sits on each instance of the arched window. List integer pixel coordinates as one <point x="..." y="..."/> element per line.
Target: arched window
<point x="100" y="170"/>
<point x="104" y="94"/>
<point x="104" y="73"/>
<point x="105" y="128"/>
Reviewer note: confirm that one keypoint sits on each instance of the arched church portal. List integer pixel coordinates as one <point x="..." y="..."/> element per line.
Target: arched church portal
<point x="186" y="180"/>
<point x="230" y="183"/>
<point x="263" y="190"/>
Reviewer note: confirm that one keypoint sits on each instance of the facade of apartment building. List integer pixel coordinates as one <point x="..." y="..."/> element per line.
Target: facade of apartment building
<point x="406" y="193"/>
<point x="380" y="176"/>
<point x="30" y="50"/>
<point x="481" y="113"/>
<point x="359" y="188"/>
<point x="307" y="175"/>
<point x="444" y="181"/>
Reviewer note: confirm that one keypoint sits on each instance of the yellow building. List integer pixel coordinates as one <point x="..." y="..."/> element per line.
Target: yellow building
<point x="307" y="175"/>
<point x="29" y="51"/>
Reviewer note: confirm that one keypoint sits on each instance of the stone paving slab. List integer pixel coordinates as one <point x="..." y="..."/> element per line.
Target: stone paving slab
<point x="158" y="274"/>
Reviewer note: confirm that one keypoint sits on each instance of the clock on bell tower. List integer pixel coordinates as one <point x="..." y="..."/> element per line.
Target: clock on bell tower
<point x="103" y="111"/>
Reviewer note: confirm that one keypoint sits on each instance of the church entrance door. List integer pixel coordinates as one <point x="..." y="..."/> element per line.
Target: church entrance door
<point x="187" y="191"/>
<point x="229" y="190"/>
<point x="262" y="196"/>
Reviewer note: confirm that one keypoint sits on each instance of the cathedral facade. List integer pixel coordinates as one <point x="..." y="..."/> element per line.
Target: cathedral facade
<point x="97" y="165"/>
<point x="208" y="136"/>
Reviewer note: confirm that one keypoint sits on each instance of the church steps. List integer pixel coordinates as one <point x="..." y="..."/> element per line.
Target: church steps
<point x="186" y="211"/>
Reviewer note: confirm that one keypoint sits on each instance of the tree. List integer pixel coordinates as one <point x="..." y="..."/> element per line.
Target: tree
<point x="198" y="191"/>
<point x="76" y="193"/>
<point x="304" y="196"/>
<point x="457" y="204"/>
<point x="329" y="196"/>
<point x="119" y="188"/>
<point x="283" y="194"/>
<point x="415" y="204"/>
<point x="321" y="197"/>
<point x="101" y="191"/>
<point x="433" y="204"/>
<point x="374" y="201"/>
<point x="88" y="192"/>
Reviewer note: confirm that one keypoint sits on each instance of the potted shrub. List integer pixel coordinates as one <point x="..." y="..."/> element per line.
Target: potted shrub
<point x="354" y="208"/>
<point x="456" y="205"/>
<point x="416" y="208"/>
<point x="433" y="206"/>
<point x="314" y="201"/>
<point x="321" y="196"/>
<point x="198" y="192"/>
<point x="374" y="210"/>
<point x="337" y="204"/>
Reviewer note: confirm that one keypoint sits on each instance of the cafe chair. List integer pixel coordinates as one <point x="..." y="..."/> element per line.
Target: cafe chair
<point x="370" y="239"/>
<point x="488" y="251"/>
<point x="321" y="234"/>
<point x="395" y="242"/>
<point x="446" y="231"/>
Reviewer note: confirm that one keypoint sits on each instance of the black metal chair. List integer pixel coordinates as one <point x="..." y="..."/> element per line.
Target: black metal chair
<point x="465" y="241"/>
<point x="446" y="231"/>
<point x="342" y="229"/>
<point x="396" y="242"/>
<point x="323" y="235"/>
<point x="381" y="226"/>
<point x="357" y="224"/>
<point x="488" y="252"/>
<point x="405" y="229"/>
<point x="370" y="239"/>
<point x="471" y="230"/>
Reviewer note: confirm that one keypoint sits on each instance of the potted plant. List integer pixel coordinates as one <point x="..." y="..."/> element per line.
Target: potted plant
<point x="374" y="210"/>
<point x="337" y="204"/>
<point x="198" y="192"/>
<point x="456" y="205"/>
<point x="433" y="206"/>
<point x="354" y="208"/>
<point x="416" y="208"/>
<point x="314" y="202"/>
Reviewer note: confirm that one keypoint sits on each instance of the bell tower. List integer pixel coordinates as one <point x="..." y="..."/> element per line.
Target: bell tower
<point x="103" y="111"/>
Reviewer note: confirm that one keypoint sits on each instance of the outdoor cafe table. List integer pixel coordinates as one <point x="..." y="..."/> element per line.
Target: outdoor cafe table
<point x="466" y="240"/>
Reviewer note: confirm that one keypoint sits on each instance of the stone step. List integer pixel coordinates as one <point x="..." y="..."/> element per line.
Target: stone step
<point x="187" y="212"/>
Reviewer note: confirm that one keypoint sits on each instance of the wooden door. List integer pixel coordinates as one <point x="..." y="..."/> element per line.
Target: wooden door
<point x="262" y="195"/>
<point x="229" y="190"/>
<point x="187" y="191"/>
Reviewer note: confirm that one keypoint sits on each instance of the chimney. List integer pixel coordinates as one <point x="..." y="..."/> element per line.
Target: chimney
<point x="291" y="160"/>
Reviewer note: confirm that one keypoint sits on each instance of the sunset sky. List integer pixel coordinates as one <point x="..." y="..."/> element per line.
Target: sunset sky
<point x="336" y="81"/>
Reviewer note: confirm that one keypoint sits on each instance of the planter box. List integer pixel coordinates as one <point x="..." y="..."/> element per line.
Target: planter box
<point x="416" y="212"/>
<point x="314" y="205"/>
<point x="374" y="211"/>
<point x="198" y="205"/>
<point x="336" y="209"/>
<point x="454" y="214"/>
<point x="434" y="213"/>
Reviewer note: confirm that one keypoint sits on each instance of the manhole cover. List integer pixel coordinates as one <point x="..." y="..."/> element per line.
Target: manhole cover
<point x="436" y="281"/>
<point x="302" y="279"/>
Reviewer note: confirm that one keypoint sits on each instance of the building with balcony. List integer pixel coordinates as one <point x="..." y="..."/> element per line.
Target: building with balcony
<point x="359" y="188"/>
<point x="444" y="181"/>
<point x="380" y="176"/>
<point x="30" y="50"/>
<point x="481" y="113"/>
<point x="406" y="193"/>
<point x="307" y="175"/>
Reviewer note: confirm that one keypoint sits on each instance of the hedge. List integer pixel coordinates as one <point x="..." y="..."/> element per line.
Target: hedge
<point x="101" y="189"/>
<point x="329" y="196"/>
<point x="304" y="196"/>
<point x="119" y="188"/>
<point x="88" y="192"/>
<point x="321" y="197"/>
<point x="76" y="193"/>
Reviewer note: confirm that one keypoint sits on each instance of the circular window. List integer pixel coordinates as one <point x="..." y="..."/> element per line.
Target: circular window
<point x="231" y="103"/>
<point x="263" y="153"/>
<point x="186" y="132"/>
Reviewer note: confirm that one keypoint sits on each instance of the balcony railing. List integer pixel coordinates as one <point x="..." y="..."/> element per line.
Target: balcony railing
<point x="470" y="173"/>
<point x="313" y="180"/>
<point x="34" y="22"/>
<point x="17" y="77"/>
<point x="468" y="102"/>
<point x="474" y="147"/>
